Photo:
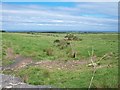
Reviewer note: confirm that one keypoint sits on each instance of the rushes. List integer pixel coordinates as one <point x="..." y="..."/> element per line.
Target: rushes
<point x="94" y="67"/>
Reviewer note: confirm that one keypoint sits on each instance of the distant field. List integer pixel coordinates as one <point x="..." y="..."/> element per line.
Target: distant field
<point x="40" y="47"/>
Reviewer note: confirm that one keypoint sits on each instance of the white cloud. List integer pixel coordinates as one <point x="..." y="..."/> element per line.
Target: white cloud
<point x="57" y="21"/>
<point x="83" y="14"/>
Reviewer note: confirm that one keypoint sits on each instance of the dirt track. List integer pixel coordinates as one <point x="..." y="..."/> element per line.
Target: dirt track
<point x="20" y="62"/>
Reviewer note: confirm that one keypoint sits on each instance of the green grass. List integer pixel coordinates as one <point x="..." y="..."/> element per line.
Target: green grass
<point x="104" y="78"/>
<point x="32" y="45"/>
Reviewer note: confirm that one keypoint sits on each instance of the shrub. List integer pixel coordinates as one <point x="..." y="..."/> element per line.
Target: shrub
<point x="72" y="37"/>
<point x="62" y="43"/>
<point x="49" y="51"/>
<point x="69" y="36"/>
<point x="56" y="41"/>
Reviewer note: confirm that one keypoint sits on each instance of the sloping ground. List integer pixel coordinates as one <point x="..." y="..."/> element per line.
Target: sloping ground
<point x="19" y="61"/>
<point x="14" y="82"/>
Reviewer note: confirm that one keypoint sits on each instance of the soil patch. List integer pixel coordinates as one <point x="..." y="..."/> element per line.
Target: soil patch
<point x="19" y="61"/>
<point x="57" y="64"/>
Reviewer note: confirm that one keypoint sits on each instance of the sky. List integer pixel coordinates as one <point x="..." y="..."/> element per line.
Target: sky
<point x="60" y="16"/>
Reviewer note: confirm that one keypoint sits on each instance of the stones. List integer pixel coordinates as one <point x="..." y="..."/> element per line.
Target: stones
<point x="9" y="81"/>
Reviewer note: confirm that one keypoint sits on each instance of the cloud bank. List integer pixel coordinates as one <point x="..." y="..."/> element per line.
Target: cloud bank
<point x="64" y="16"/>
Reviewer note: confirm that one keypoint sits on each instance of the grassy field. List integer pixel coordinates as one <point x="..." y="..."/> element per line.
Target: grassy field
<point x="37" y="46"/>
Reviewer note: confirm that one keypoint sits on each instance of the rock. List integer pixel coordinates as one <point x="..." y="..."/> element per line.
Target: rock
<point x="8" y="81"/>
<point x="92" y="65"/>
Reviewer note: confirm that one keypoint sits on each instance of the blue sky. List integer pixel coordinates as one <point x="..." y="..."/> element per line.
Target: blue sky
<point x="64" y="16"/>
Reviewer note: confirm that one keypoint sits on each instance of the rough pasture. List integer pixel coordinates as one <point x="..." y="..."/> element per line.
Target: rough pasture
<point x="50" y="65"/>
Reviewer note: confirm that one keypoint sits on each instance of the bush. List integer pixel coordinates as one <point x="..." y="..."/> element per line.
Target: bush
<point x="62" y="43"/>
<point x="49" y="51"/>
<point x="69" y="36"/>
<point x="56" y="41"/>
<point x="72" y="37"/>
